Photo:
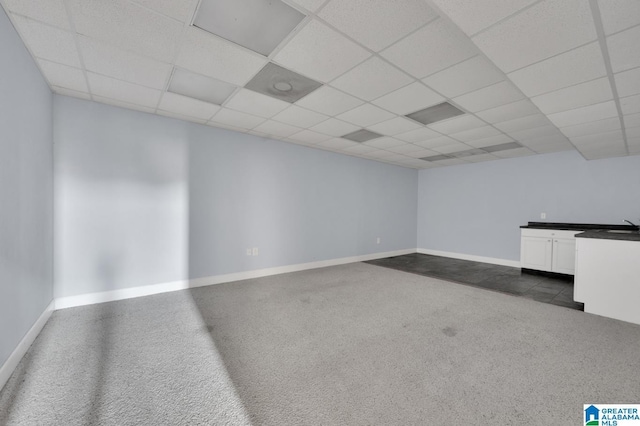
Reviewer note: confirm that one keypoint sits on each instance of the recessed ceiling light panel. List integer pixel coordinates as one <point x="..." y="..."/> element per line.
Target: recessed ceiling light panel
<point x="197" y="86"/>
<point x="361" y="135"/>
<point x="259" y="25"/>
<point x="281" y="83"/>
<point x="502" y="147"/>
<point x="435" y="113"/>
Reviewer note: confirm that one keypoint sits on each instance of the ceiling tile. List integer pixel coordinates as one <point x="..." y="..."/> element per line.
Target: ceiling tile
<point x="122" y="91"/>
<point x="337" y="143"/>
<point x="208" y="55"/>
<point x="632" y="120"/>
<point x="539" y="32"/>
<point x="63" y="76"/>
<point x="253" y="103"/>
<point x="468" y="136"/>
<point x="592" y="127"/>
<point x="582" y="94"/>
<point x="458" y="124"/>
<point x="451" y="148"/>
<point x="553" y="147"/>
<point x="329" y="101"/>
<point x="418" y="135"/>
<point x="630" y="104"/>
<point x="409" y="99"/>
<point x="300" y="117"/>
<point x="359" y="149"/>
<point x="72" y="93"/>
<point x="365" y="115"/>
<point x="513" y="153"/>
<point x="598" y="139"/>
<point x="436" y="142"/>
<point x="422" y="153"/>
<point x="628" y="82"/>
<point x="406" y="148"/>
<point x="237" y="119"/>
<point x="577" y="66"/>
<point x="395" y="126"/>
<point x="491" y="140"/>
<point x="480" y="158"/>
<point x="431" y="49"/>
<point x="334" y="127"/>
<point x="49" y="43"/>
<point x="473" y="16"/>
<point x="489" y="97"/>
<point x="309" y="136"/>
<point x="623" y="49"/>
<point x="127" y="26"/>
<point x="384" y="142"/>
<point x="619" y="14"/>
<point x="179" y="104"/>
<point x="184" y="117"/>
<point x="617" y="150"/>
<point x="633" y="133"/>
<point x="123" y="65"/>
<point x="371" y="79"/>
<point x="182" y="10"/>
<point x="465" y="77"/>
<point x="380" y="153"/>
<point x="52" y="12"/>
<point x="121" y="104"/>
<point x="451" y="162"/>
<point x="275" y="128"/>
<point x="310" y="5"/>
<point x="377" y="23"/>
<point x="584" y="114"/>
<point x="321" y="53"/>
<point x="535" y="133"/>
<point x="510" y="111"/>
<point x="523" y="123"/>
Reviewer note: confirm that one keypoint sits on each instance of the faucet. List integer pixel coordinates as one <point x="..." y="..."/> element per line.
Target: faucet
<point x="631" y="223"/>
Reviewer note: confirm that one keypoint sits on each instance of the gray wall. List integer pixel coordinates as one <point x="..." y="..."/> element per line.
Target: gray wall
<point x="144" y="199"/>
<point x="477" y="208"/>
<point x="26" y="191"/>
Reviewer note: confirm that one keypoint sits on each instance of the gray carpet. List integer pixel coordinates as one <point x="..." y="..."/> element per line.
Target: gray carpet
<point x="349" y="345"/>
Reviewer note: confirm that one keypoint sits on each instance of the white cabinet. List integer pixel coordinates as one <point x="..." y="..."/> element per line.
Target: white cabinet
<point x="607" y="278"/>
<point x="548" y="250"/>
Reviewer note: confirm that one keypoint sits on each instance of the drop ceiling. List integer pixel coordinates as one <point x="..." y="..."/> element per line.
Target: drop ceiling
<point x="530" y="76"/>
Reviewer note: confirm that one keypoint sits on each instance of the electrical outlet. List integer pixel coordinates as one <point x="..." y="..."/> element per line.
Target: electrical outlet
<point x="378" y="240"/>
<point x="248" y="252"/>
<point x="543" y="215"/>
<point x="255" y="251"/>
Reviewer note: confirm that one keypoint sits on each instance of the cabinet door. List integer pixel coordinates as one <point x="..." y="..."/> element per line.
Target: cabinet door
<point x="536" y="253"/>
<point x="564" y="255"/>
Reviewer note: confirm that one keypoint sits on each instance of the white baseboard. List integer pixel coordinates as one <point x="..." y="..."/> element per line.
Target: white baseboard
<point x="493" y="260"/>
<point x="128" y="293"/>
<point x="14" y="359"/>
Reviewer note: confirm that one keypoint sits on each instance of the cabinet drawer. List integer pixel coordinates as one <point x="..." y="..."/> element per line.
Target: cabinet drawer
<point x="548" y="233"/>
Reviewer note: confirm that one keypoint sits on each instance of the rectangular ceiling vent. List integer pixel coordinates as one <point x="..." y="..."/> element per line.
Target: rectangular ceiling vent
<point x="281" y="83"/>
<point x="361" y="135"/>
<point x="197" y="86"/>
<point x="474" y="151"/>
<point x="259" y="25"/>
<point x="435" y="113"/>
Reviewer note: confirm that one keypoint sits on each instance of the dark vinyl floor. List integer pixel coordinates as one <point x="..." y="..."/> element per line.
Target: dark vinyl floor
<point x="556" y="290"/>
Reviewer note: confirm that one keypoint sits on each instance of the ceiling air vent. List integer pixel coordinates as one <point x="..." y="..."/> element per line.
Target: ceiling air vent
<point x="435" y="113"/>
<point x="502" y="147"/>
<point x="259" y="25"/>
<point x="361" y="135"/>
<point x="474" y="151"/>
<point x="281" y="83"/>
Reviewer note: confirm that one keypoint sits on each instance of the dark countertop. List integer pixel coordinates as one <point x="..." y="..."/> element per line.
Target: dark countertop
<point x="577" y="226"/>
<point x="591" y="230"/>
<point x="604" y="235"/>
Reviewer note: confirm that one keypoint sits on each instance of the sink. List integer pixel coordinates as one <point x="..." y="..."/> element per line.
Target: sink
<point x="621" y="231"/>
